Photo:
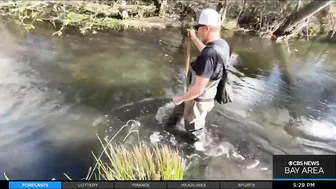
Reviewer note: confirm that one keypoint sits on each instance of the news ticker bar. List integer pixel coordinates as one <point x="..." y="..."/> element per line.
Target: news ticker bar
<point x="289" y="171"/>
<point x="274" y="184"/>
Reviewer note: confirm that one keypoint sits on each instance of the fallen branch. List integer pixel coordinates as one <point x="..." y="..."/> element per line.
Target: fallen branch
<point x="298" y="16"/>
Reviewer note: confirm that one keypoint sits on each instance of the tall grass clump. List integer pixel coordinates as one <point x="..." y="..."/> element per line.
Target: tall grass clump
<point x="137" y="162"/>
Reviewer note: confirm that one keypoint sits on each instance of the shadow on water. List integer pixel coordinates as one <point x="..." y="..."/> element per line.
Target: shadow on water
<point x="57" y="92"/>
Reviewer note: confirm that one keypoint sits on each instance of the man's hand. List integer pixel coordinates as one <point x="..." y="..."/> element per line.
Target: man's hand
<point x="177" y="100"/>
<point x="192" y="33"/>
<point x="193" y="92"/>
<point x="195" y="40"/>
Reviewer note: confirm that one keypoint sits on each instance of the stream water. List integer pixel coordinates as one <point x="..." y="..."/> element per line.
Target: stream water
<point x="56" y="93"/>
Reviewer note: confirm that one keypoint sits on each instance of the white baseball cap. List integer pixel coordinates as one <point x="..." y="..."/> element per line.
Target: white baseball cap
<point x="208" y="17"/>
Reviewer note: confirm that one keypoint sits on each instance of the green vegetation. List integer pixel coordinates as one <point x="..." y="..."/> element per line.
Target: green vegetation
<point x="281" y="18"/>
<point x="140" y="163"/>
<point x="136" y="162"/>
<point x="6" y="177"/>
<point x="85" y="15"/>
<point x="271" y="19"/>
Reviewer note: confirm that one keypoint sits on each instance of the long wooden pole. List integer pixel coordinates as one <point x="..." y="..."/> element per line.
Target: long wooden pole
<point x="187" y="64"/>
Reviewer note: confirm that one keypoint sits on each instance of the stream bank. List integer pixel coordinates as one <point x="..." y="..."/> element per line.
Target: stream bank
<point x="263" y="18"/>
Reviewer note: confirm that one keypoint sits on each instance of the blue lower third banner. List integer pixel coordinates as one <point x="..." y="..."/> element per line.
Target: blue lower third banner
<point x="33" y="185"/>
<point x="304" y="167"/>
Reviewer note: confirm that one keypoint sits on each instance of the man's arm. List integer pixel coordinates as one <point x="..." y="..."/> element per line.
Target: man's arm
<point x="204" y="68"/>
<point x="198" y="43"/>
<point x="196" y="90"/>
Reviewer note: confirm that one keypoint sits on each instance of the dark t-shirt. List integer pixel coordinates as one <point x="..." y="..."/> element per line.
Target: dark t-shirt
<point x="206" y="63"/>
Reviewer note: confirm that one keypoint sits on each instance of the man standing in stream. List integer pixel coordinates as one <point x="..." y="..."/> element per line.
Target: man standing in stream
<point x="203" y="77"/>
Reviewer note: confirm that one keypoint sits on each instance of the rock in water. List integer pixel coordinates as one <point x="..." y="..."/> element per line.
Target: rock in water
<point x="124" y="14"/>
<point x="79" y="75"/>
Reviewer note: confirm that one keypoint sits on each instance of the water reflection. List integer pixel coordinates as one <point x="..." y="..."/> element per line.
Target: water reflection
<point x="300" y="87"/>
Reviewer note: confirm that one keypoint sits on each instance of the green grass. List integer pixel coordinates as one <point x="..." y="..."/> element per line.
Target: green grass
<point x="137" y="162"/>
<point x="140" y="163"/>
<point x="6" y="177"/>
